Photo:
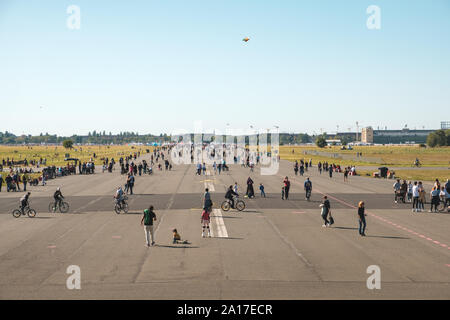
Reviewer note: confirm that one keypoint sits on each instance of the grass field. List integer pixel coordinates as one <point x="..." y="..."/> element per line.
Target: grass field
<point x="398" y="156"/>
<point x="415" y="175"/>
<point x="376" y="156"/>
<point x="55" y="154"/>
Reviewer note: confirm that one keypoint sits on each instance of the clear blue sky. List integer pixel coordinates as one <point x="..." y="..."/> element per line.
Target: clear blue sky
<point x="153" y="66"/>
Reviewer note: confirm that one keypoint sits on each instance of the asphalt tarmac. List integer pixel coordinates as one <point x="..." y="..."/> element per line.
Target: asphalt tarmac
<point x="274" y="249"/>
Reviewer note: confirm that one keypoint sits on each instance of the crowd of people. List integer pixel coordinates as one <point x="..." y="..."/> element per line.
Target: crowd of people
<point x="415" y="193"/>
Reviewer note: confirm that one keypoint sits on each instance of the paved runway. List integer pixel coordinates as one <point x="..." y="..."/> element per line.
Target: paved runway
<point x="275" y="249"/>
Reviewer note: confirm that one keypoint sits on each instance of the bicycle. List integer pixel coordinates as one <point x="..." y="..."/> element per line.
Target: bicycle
<point x="238" y="204"/>
<point x="121" y="206"/>
<point x="63" y="207"/>
<point x="27" y="210"/>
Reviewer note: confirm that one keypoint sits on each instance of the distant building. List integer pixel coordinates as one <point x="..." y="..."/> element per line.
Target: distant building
<point x="445" y="125"/>
<point x="404" y="135"/>
<point x="367" y="135"/>
<point x="333" y="142"/>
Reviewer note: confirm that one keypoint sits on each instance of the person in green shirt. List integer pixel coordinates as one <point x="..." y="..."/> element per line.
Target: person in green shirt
<point x="147" y="221"/>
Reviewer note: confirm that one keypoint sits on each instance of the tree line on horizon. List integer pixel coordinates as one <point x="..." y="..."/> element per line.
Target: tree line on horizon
<point x="101" y="137"/>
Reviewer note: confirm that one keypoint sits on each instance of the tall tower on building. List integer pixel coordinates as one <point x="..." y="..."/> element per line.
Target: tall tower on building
<point x="367" y="135"/>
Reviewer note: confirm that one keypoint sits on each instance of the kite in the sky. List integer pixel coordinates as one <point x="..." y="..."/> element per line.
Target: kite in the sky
<point x="246" y="39"/>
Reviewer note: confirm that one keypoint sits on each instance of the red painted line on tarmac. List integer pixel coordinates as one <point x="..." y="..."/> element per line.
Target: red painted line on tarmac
<point x="51" y="247"/>
<point x="116" y="237"/>
<point x="385" y="220"/>
<point x="448" y="265"/>
<point x="298" y="212"/>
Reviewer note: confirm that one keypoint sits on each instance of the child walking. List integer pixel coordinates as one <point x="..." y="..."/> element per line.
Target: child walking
<point x="205" y="220"/>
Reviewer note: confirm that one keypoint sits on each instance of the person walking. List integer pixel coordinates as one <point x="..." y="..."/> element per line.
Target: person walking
<point x="325" y="207"/>
<point x="287" y="186"/>
<point x="409" y="194"/>
<point x="330" y="171"/>
<point x="346" y="174"/>
<point x="261" y="188"/>
<point x="207" y="202"/>
<point x="131" y="183"/>
<point x="250" y="191"/>
<point x="147" y="221"/>
<point x="415" y="196"/>
<point x="1" y="182"/>
<point x="421" y="197"/>
<point x="235" y="188"/>
<point x="24" y="181"/>
<point x="435" y="192"/>
<point x="396" y="188"/>
<point x="362" y="219"/>
<point x="205" y="221"/>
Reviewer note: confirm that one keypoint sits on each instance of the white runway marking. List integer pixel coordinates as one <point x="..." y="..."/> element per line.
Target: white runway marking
<point x="220" y="224"/>
<point x="210" y="186"/>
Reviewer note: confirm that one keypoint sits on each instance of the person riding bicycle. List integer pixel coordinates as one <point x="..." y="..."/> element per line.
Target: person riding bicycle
<point x="229" y="195"/>
<point x="416" y="162"/>
<point x="24" y="201"/>
<point x="119" y="195"/>
<point x="308" y="187"/>
<point x="58" y="197"/>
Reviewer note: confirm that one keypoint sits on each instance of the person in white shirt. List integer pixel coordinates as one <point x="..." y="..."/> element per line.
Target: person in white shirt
<point x="445" y="196"/>
<point x="396" y="187"/>
<point x="235" y="188"/>
<point x="410" y="187"/>
<point x="415" y="194"/>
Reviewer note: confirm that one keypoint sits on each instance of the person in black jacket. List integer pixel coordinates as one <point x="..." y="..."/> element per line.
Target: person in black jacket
<point x="250" y="191"/>
<point x="1" y="182"/>
<point x="229" y="195"/>
<point x="362" y="219"/>
<point x="325" y="205"/>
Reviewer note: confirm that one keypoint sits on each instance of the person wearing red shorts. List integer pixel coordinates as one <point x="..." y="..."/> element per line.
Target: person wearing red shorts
<point x="205" y="223"/>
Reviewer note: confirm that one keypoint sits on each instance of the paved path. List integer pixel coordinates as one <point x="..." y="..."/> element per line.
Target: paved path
<point x="275" y="249"/>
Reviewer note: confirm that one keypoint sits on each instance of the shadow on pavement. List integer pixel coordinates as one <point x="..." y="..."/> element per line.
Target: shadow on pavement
<point x="345" y="228"/>
<point x="174" y="246"/>
<point x="388" y="237"/>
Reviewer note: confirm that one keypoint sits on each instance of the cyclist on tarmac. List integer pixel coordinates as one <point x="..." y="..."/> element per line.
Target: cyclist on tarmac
<point x="119" y="195"/>
<point x="58" y="196"/>
<point x="229" y="195"/>
<point x="24" y="201"/>
<point x="308" y="186"/>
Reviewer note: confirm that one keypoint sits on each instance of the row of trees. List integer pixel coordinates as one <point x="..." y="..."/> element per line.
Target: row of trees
<point x="94" y="137"/>
<point x="98" y="137"/>
<point x="439" y="138"/>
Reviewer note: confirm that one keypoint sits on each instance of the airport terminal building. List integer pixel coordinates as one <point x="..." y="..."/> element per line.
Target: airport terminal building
<point x="405" y="135"/>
